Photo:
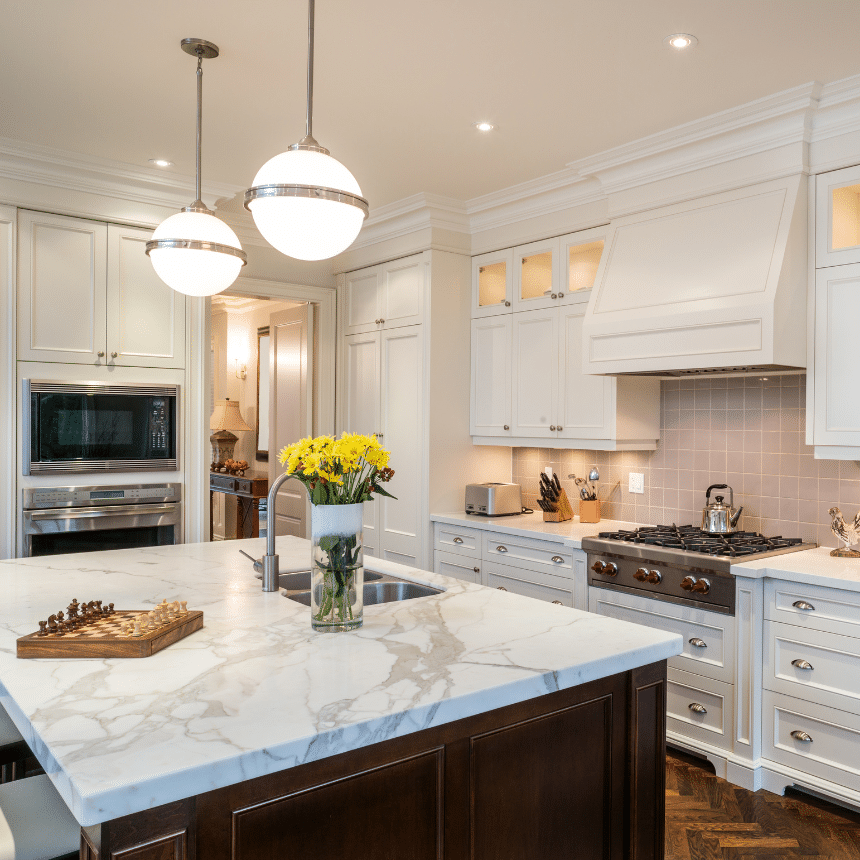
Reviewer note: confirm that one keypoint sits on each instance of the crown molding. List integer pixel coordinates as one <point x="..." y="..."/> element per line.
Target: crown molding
<point x="43" y="165"/>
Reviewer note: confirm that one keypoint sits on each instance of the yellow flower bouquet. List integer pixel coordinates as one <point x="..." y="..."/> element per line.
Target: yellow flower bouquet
<point x="339" y="475"/>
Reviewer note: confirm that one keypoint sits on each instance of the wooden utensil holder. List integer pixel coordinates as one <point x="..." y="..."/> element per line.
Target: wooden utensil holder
<point x="562" y="513"/>
<point x="589" y="511"/>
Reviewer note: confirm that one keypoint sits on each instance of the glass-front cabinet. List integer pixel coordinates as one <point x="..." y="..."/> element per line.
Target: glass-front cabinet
<point x="581" y="254"/>
<point x="492" y="283"/>
<point x="837" y="217"/>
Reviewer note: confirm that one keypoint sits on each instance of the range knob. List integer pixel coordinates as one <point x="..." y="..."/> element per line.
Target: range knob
<point x="610" y="569"/>
<point x="687" y="583"/>
<point x="655" y="577"/>
<point x="701" y="586"/>
<point x="641" y="574"/>
<point x="598" y="567"/>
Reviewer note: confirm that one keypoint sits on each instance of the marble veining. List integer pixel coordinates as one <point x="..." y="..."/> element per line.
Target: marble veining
<point x="256" y="691"/>
<point x="569" y="533"/>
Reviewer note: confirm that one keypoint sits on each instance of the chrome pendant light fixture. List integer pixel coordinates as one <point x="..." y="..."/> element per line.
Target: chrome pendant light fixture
<point x="304" y="202"/>
<point x="193" y="251"/>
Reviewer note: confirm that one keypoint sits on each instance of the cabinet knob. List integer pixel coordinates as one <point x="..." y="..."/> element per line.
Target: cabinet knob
<point x="561" y="295"/>
<point x="458" y="540"/>
<point x="802" y="604"/>
<point x="696" y="708"/>
<point x="476" y="569"/>
<point x="382" y="321"/>
<point x="501" y="548"/>
<point x="100" y="353"/>
<point x="507" y="304"/>
<point x="801" y="736"/>
<point x="502" y="588"/>
<point x="378" y="435"/>
<point x="507" y="427"/>
<point x="552" y="426"/>
<point x="554" y="296"/>
<point x="559" y="427"/>
<point x="802" y="664"/>
<point x="377" y="321"/>
<point x="698" y="643"/>
<point x="114" y="354"/>
<point x="558" y="603"/>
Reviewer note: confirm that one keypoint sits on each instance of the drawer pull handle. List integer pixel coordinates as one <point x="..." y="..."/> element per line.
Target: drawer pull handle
<point x="458" y="540"/>
<point x="802" y="736"/>
<point x="558" y="603"/>
<point x="696" y="708"/>
<point x="476" y="569"/>
<point x="502" y="588"/>
<point x="558" y="559"/>
<point x="802" y="604"/>
<point x="802" y="664"/>
<point x="698" y="643"/>
<point x="501" y="549"/>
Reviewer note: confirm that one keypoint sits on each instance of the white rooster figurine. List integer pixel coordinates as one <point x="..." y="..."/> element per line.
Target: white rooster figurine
<point x="848" y="534"/>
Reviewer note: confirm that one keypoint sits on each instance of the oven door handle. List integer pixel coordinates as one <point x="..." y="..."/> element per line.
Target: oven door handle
<point x="107" y="511"/>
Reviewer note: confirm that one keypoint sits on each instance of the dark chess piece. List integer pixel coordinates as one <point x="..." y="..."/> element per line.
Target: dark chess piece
<point x="42" y="630"/>
<point x="110" y="609"/>
<point x="52" y="624"/>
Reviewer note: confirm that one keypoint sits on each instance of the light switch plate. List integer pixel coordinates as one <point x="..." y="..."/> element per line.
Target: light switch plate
<point x="637" y="482"/>
<point x="548" y="471"/>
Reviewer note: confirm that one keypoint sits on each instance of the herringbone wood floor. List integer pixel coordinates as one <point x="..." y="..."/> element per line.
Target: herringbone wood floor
<point x="707" y="818"/>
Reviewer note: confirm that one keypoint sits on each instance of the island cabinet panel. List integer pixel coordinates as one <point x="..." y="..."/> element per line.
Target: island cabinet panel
<point x="576" y="774"/>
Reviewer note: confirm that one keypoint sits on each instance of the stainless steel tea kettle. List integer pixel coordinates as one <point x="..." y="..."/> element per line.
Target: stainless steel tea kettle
<point x="718" y="518"/>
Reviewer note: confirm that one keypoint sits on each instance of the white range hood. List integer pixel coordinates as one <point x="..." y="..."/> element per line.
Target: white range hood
<point x="714" y="285"/>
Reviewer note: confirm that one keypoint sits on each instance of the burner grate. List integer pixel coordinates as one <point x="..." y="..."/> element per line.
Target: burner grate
<point x="690" y="538"/>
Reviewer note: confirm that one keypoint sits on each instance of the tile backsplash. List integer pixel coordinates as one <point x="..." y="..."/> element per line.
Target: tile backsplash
<point x="746" y="432"/>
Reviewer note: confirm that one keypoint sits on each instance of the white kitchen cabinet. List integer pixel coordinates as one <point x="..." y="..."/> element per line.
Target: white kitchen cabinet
<point x="837" y="217"/>
<point x="490" y="411"/>
<point x="383" y="297"/>
<point x="87" y="294"/>
<point x="537" y="275"/>
<point x="580" y="255"/>
<point x="535" y="374"/>
<point x="493" y="283"/>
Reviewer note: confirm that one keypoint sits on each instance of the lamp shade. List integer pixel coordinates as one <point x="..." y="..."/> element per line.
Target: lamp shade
<point x="308" y="205"/>
<point x="196" y="253"/>
<point x="227" y="416"/>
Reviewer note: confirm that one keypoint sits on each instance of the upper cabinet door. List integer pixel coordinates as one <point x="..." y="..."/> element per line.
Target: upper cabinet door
<point x="580" y="257"/>
<point x="837" y="356"/>
<point x="145" y="317"/>
<point x="537" y="275"/>
<point x="493" y="283"/>
<point x="837" y="217"/>
<point x="535" y="374"/>
<point x="586" y="403"/>
<point x="61" y="289"/>
<point x="401" y="286"/>
<point x="362" y="301"/>
<point x="491" y="376"/>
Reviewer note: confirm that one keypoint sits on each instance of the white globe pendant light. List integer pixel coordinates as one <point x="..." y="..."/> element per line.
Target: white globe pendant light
<point x="194" y="252"/>
<point x="304" y="202"/>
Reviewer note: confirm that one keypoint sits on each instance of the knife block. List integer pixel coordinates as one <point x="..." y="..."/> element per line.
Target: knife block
<point x="562" y="513"/>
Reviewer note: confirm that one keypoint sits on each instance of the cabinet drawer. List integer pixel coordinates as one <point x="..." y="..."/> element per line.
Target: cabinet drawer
<point x="699" y="708"/>
<point x="458" y="566"/>
<point x="834" y="676"/>
<point x="540" y="586"/>
<point x="463" y="541"/>
<point x="833" y="753"/>
<point x="222" y="482"/>
<point x="537" y="555"/>
<point x="832" y="610"/>
<point x="708" y="636"/>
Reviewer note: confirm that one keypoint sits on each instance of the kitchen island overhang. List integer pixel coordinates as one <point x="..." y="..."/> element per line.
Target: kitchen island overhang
<point x="255" y="692"/>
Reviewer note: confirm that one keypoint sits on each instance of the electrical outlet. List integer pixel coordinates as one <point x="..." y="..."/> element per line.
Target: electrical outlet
<point x="637" y="482"/>
<point x="548" y="471"/>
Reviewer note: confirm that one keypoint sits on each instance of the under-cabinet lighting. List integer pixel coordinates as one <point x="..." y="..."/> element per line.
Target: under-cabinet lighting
<point x="680" y="41"/>
<point x="161" y="162"/>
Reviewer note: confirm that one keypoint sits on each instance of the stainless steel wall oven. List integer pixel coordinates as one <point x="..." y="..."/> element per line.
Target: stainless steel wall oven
<point x="95" y="427"/>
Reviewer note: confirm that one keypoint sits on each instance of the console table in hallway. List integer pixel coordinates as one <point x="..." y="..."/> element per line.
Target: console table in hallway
<point x="248" y="490"/>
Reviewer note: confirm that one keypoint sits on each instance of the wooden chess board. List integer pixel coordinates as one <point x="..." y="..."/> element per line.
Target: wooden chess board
<point x="105" y="637"/>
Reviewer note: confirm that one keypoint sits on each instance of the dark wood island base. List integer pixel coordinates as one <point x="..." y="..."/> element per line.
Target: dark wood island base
<point x="573" y="775"/>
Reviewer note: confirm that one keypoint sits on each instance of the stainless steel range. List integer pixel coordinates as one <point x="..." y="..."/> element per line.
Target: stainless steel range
<point x="678" y="564"/>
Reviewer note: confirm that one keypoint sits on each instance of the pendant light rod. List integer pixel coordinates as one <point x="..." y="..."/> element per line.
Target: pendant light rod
<point x="309" y="125"/>
<point x="197" y="198"/>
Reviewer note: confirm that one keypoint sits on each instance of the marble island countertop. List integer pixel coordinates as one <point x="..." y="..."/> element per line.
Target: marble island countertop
<point x="256" y="691"/>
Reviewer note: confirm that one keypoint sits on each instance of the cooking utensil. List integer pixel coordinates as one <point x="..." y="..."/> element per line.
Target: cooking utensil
<point x="556" y="482"/>
<point x="718" y="518"/>
<point x="594" y="475"/>
<point x="583" y="494"/>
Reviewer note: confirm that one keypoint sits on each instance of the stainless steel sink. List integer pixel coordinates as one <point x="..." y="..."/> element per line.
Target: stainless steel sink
<point x="389" y="591"/>
<point x="301" y="581"/>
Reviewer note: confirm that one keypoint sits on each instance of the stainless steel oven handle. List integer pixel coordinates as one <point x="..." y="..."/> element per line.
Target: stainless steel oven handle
<point x="110" y="511"/>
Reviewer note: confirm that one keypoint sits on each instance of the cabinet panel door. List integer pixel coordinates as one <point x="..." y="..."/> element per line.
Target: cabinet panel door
<point x="401" y="523"/>
<point x="61" y="289"/>
<point x="586" y="403"/>
<point x="837" y="356"/>
<point x="491" y="376"/>
<point x="362" y="306"/>
<point x="537" y="275"/>
<point x="493" y="283"/>
<point x="837" y="217"/>
<point x="361" y="410"/>
<point x="535" y="372"/>
<point x="402" y="292"/>
<point x="146" y="319"/>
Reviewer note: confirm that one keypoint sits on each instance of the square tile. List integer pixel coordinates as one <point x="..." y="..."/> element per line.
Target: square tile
<point x="770" y="442"/>
<point x="752" y="442"/>
<point x="790" y="398"/>
<point x="789" y="442"/>
<point x="753" y="483"/>
<point x="828" y="491"/>
<point x="752" y="399"/>
<point x="789" y="464"/>
<point x="734" y="419"/>
<point x="809" y="510"/>
<point x="769" y="485"/>
<point x="752" y="463"/>
<point x="789" y="487"/>
<point x="771" y="420"/>
<point x="770" y="463"/>
<point x="718" y="399"/>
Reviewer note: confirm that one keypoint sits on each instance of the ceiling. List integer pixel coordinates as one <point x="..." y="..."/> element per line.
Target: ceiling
<point x="399" y="84"/>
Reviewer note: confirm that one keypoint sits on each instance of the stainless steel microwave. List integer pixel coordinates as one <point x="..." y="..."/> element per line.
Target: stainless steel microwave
<point x="96" y="427"/>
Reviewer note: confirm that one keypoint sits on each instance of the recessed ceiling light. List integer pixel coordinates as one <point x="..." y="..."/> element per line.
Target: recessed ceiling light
<point x="484" y="126"/>
<point x="161" y="162"/>
<point x="680" y="41"/>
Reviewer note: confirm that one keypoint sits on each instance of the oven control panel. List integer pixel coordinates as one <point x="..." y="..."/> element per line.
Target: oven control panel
<point x="45" y="498"/>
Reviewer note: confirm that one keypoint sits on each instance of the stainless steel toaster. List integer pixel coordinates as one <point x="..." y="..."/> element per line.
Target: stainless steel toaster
<point x="494" y="500"/>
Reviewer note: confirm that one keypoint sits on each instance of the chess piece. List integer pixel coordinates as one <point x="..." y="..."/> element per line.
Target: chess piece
<point x="110" y="609"/>
<point x="52" y="623"/>
<point x="136" y="631"/>
<point x="61" y="628"/>
<point x="42" y="628"/>
<point x="153" y="623"/>
<point x="848" y="534"/>
<point x="184" y="607"/>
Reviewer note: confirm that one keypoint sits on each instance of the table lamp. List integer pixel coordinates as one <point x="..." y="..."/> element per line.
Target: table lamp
<point x="225" y="418"/>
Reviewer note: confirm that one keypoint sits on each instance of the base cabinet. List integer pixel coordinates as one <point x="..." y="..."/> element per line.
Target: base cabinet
<point x="578" y="773"/>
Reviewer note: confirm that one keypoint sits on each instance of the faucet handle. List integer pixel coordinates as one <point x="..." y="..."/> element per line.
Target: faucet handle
<point x="258" y="562"/>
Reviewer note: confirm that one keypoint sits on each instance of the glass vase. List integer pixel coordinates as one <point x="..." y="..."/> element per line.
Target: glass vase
<point x="337" y="577"/>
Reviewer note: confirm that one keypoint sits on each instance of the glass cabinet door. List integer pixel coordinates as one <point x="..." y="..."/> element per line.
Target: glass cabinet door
<point x="581" y="254"/>
<point x="837" y="219"/>
<point x="537" y="281"/>
<point x="492" y="278"/>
